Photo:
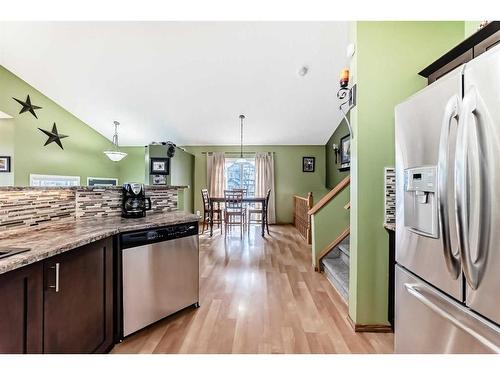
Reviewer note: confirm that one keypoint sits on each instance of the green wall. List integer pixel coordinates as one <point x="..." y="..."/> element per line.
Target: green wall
<point x="329" y="222"/>
<point x="470" y="27"/>
<point x="288" y="175"/>
<point x="131" y="169"/>
<point x="83" y="149"/>
<point x="388" y="57"/>
<point x="333" y="175"/>
<point x="6" y="148"/>
<point x="135" y="168"/>
<point x="183" y="173"/>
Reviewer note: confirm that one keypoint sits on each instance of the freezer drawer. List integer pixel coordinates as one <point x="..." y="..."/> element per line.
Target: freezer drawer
<point x="428" y="321"/>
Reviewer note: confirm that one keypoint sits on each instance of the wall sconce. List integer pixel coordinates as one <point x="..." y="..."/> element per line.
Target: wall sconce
<point x="336" y="151"/>
<point x="349" y="93"/>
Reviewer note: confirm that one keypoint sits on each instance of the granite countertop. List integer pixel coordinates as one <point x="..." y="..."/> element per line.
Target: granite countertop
<point x="390" y="227"/>
<point x="59" y="238"/>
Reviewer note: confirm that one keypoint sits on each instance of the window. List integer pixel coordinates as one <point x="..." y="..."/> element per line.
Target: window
<point x="53" y="180"/>
<point x="104" y="181"/>
<point x="240" y="175"/>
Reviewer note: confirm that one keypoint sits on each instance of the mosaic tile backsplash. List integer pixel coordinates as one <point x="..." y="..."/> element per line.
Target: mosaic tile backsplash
<point x="24" y="208"/>
<point x="102" y="202"/>
<point x="390" y="195"/>
<point x="29" y="208"/>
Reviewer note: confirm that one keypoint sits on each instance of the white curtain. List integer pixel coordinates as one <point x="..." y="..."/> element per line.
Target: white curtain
<point x="264" y="180"/>
<point x="215" y="174"/>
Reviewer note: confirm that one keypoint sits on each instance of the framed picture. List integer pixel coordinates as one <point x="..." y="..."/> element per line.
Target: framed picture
<point x="345" y="152"/>
<point x="159" y="179"/>
<point x="4" y="164"/>
<point x="308" y="163"/>
<point x="160" y="166"/>
<point x="101" y="181"/>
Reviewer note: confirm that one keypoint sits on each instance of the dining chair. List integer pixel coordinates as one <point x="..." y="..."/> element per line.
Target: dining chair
<point x="234" y="213"/>
<point x="263" y="215"/>
<point x="217" y="214"/>
<point x="245" y="205"/>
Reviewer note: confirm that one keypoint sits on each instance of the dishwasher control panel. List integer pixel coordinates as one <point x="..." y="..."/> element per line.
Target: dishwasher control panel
<point x="167" y="233"/>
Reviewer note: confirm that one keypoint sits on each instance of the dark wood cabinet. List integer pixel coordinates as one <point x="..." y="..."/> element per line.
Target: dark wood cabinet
<point x="21" y="310"/>
<point x="63" y="304"/>
<point x="487" y="43"/>
<point x="460" y="60"/>
<point x="78" y="300"/>
<point x="473" y="46"/>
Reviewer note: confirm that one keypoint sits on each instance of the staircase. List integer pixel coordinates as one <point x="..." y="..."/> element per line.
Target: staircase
<point x="330" y="236"/>
<point x="336" y="267"/>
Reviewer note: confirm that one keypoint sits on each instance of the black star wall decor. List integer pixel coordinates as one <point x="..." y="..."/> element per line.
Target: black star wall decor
<point x="54" y="136"/>
<point x="27" y="106"/>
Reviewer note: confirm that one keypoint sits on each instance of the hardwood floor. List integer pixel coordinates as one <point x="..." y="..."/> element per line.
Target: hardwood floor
<point x="258" y="296"/>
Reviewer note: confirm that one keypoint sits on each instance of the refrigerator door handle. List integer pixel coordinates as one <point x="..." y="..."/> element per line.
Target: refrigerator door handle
<point x="448" y="312"/>
<point x="452" y="259"/>
<point x="480" y="219"/>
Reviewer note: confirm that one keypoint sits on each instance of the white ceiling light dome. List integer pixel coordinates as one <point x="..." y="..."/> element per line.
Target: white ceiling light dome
<point x="115" y="154"/>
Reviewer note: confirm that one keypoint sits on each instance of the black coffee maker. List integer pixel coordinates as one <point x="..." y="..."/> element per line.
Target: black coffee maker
<point x="134" y="200"/>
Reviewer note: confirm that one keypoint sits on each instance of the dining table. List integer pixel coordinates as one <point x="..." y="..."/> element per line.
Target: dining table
<point x="257" y="199"/>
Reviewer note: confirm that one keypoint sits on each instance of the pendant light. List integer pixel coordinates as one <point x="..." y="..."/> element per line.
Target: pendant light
<point x="241" y="158"/>
<point x="115" y="154"/>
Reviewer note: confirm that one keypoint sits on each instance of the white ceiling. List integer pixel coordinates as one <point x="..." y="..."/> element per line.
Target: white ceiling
<point x="187" y="81"/>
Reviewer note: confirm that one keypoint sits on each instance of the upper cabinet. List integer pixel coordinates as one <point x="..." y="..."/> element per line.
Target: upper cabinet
<point x="473" y="46"/>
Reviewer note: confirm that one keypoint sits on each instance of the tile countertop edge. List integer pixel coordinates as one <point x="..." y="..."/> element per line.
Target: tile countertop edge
<point x="48" y="242"/>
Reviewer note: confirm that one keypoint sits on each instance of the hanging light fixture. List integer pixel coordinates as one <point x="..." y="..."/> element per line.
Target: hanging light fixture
<point x="241" y="158"/>
<point x="115" y="154"/>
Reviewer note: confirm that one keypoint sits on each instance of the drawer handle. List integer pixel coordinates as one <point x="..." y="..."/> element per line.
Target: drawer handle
<point x="420" y="295"/>
<point x="56" y="287"/>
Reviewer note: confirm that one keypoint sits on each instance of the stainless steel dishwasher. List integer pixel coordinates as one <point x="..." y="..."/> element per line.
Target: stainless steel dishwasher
<point x="159" y="274"/>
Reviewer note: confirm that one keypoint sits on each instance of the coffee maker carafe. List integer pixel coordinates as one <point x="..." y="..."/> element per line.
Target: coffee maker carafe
<point x="134" y="200"/>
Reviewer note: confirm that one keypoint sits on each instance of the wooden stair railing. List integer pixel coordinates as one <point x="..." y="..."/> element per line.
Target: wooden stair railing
<point x="331" y="246"/>
<point x="332" y="194"/>
<point x="301" y="218"/>
<point x="318" y="206"/>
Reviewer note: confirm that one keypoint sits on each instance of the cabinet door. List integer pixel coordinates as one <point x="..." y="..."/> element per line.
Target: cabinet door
<point x="462" y="59"/>
<point x="487" y="44"/>
<point x="78" y="305"/>
<point x="21" y="303"/>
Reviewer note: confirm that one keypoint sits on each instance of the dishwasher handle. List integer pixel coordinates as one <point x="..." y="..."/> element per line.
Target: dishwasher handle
<point x="167" y="233"/>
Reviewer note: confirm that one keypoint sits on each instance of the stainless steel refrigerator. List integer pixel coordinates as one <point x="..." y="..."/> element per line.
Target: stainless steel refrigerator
<point x="448" y="213"/>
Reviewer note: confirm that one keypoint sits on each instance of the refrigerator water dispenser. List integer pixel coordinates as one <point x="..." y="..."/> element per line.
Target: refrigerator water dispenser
<point x="420" y="206"/>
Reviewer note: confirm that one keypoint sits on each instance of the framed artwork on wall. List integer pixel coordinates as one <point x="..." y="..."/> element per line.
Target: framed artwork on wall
<point x="5" y="164"/>
<point x="159" y="179"/>
<point x="160" y="166"/>
<point x="345" y="153"/>
<point x="308" y="163"/>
